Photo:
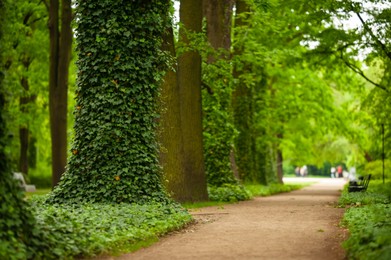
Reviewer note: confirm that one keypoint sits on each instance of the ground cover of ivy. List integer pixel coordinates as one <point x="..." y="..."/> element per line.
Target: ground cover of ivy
<point x="90" y="229"/>
<point x="368" y="218"/>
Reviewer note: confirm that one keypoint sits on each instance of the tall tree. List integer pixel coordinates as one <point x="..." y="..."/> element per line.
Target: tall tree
<point x="243" y="97"/>
<point x="219" y="129"/>
<point x="189" y="80"/>
<point x="60" y="18"/>
<point x="170" y="131"/>
<point x="120" y="67"/>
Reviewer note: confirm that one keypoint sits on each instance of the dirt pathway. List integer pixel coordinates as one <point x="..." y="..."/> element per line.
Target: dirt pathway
<point x="297" y="225"/>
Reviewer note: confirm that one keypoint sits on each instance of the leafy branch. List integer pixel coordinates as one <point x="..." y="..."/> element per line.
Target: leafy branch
<point x="361" y="73"/>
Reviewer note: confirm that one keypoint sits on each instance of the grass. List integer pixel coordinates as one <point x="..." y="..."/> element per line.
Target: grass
<point x="195" y="205"/>
<point x="38" y="192"/>
<point x="254" y="190"/>
<point x="261" y="190"/>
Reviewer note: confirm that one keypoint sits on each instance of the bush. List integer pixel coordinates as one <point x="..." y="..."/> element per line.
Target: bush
<point x="368" y="219"/>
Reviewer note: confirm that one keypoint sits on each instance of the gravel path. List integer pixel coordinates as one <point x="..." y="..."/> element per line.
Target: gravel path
<point x="297" y="225"/>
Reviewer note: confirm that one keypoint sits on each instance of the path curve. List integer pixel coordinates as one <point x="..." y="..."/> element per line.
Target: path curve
<point x="301" y="224"/>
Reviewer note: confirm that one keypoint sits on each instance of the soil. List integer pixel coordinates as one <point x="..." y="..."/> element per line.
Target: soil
<point x="302" y="224"/>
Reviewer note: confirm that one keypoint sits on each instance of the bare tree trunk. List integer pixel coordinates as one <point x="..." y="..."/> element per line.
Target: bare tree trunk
<point x="60" y="50"/>
<point x="218" y="14"/>
<point x="280" y="160"/>
<point x="171" y="139"/>
<point x="189" y="79"/>
<point x="24" y="132"/>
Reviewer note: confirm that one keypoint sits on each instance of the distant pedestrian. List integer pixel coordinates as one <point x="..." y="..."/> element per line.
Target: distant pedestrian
<point x="297" y="171"/>
<point x="303" y="171"/>
<point x="333" y="170"/>
<point x="340" y="171"/>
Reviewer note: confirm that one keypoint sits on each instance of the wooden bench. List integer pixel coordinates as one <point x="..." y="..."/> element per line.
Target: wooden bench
<point x="360" y="185"/>
<point x="22" y="183"/>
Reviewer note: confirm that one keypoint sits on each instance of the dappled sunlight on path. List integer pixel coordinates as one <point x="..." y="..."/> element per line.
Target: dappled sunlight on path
<point x="297" y="225"/>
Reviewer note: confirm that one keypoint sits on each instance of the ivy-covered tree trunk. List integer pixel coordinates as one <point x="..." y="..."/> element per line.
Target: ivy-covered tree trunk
<point x="120" y="67"/>
<point x="219" y="130"/>
<point x="170" y="131"/>
<point x="189" y="79"/>
<point x="60" y="18"/>
<point x="242" y="99"/>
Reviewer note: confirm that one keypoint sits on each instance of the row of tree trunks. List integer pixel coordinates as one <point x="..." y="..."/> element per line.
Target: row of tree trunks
<point x="181" y="125"/>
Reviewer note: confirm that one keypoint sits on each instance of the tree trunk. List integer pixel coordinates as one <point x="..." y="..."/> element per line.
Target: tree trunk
<point x="241" y="102"/>
<point x="189" y="79"/>
<point x="218" y="14"/>
<point x="280" y="171"/>
<point x="171" y="138"/>
<point x="220" y="164"/>
<point x="60" y="50"/>
<point x="24" y="132"/>
<point x="32" y="152"/>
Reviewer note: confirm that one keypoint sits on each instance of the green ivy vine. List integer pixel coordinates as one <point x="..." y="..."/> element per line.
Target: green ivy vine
<point x="120" y="66"/>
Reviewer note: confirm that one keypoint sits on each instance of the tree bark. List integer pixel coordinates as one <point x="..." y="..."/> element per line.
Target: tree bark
<point x="171" y="139"/>
<point x="60" y="50"/>
<point x="189" y="79"/>
<point x="23" y="130"/>
<point x="279" y="162"/>
<point x="218" y="14"/>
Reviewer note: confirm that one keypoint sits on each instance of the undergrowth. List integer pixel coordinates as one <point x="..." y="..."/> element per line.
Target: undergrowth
<point x="368" y="218"/>
<point x="91" y="229"/>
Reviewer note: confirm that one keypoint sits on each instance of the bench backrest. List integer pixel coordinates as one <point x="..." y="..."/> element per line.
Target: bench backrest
<point x="365" y="181"/>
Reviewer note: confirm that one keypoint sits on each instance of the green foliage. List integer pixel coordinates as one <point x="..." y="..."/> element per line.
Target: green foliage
<point x="228" y="192"/>
<point x="370" y="232"/>
<point x="376" y="169"/>
<point x="369" y="222"/>
<point x="17" y="224"/>
<point x="26" y="51"/>
<point x="120" y="65"/>
<point x="21" y="236"/>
